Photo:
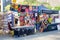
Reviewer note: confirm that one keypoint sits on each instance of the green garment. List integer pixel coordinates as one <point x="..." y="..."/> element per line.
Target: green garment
<point x="50" y="20"/>
<point x="18" y="14"/>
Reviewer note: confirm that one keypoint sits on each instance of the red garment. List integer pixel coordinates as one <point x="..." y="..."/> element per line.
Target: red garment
<point x="19" y="9"/>
<point x="33" y="18"/>
<point x="21" y="18"/>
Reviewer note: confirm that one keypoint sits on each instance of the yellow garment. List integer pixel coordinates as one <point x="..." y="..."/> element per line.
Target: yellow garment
<point x="14" y="1"/>
<point x="50" y="20"/>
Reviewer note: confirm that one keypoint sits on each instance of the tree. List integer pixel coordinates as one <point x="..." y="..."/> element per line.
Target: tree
<point x="31" y="2"/>
<point x="47" y="5"/>
<point x="57" y="8"/>
<point x="35" y="2"/>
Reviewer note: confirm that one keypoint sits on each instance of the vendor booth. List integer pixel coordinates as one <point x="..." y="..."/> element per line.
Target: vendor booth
<point x="23" y="20"/>
<point x="52" y="14"/>
<point x="27" y="19"/>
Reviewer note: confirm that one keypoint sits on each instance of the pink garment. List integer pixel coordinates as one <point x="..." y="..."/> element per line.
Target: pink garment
<point x="26" y="10"/>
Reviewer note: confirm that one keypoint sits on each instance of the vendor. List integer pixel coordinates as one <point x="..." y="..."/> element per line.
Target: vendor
<point x="37" y="24"/>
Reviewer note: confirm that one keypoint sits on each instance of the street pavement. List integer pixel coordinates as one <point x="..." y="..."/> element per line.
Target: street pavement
<point x="52" y="35"/>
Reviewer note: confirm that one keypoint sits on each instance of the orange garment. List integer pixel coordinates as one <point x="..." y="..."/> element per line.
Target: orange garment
<point x="16" y="7"/>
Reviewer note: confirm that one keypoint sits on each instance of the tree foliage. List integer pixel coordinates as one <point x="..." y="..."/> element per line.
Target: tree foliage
<point x="47" y="5"/>
<point x="57" y="8"/>
<point x="31" y="2"/>
<point x="35" y="2"/>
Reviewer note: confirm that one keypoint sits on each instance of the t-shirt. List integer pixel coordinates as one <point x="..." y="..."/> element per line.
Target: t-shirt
<point x="49" y="20"/>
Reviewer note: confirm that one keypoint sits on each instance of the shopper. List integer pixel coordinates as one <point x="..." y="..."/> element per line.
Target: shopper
<point x="42" y="26"/>
<point x="37" y="24"/>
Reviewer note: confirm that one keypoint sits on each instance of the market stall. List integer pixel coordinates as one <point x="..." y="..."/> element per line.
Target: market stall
<point x="26" y="16"/>
<point x="52" y="15"/>
<point x="22" y="17"/>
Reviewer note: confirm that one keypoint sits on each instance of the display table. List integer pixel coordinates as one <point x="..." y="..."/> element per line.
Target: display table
<point x="21" y="30"/>
<point x="51" y="27"/>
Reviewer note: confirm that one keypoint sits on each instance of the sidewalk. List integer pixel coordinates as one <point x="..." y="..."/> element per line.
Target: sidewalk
<point x="53" y="35"/>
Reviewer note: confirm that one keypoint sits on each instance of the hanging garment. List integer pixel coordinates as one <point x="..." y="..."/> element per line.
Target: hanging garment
<point x="19" y="9"/>
<point x="16" y="6"/>
<point x="13" y="1"/>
